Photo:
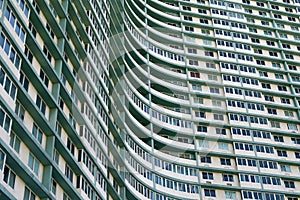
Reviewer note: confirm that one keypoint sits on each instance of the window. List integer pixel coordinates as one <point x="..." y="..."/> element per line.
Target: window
<point x="186" y="8"/>
<point x="285" y="101"/>
<point x="47" y="53"/>
<point x="292" y="127"/>
<point x="24" y="7"/>
<point x="56" y="156"/>
<point x="289" y="56"/>
<point x="20" y="110"/>
<point x="69" y="173"/>
<point x="209" y="193"/>
<point x="211" y="65"/>
<point x="203" y="11"/>
<point x="205" y="159"/>
<point x="261" y="134"/>
<point x="7" y="84"/>
<point x="15" y="142"/>
<point x="269" y="98"/>
<point x="281" y="153"/>
<point x="266" y="85"/>
<point x="275" y="124"/>
<point x="198" y="100"/>
<point x="2" y="159"/>
<point x="66" y="197"/>
<point x="203" y="143"/>
<point x="282" y="88"/>
<point x="228" y="178"/>
<point x="28" y="194"/>
<point x="33" y="164"/>
<point x="9" y="177"/>
<point x="9" y="15"/>
<point x="278" y="138"/>
<point x="196" y="87"/>
<point x="71" y="146"/>
<point x="270" y="164"/>
<point x="218" y="117"/>
<point x="295" y="140"/>
<point x="214" y="90"/>
<point x="195" y="74"/>
<point x="292" y="67"/>
<point x="182" y="139"/>
<point x="221" y="131"/>
<point x="203" y="21"/>
<point x="260" y="4"/>
<point x="223" y="146"/>
<point x="289" y="184"/>
<point x="10" y="51"/>
<point x="279" y="76"/>
<point x="255" y="40"/>
<point x="200" y="114"/>
<point x="209" y="53"/>
<point x="5" y="121"/>
<point x="242" y="146"/>
<point x="40" y="104"/>
<point x="292" y="198"/>
<point x="212" y="77"/>
<point x="53" y="186"/>
<point x="193" y="62"/>
<point x="24" y="81"/>
<point x="202" y="129"/>
<point x="208" y="175"/>
<point x="189" y="28"/>
<point x="270" y="43"/>
<point x="44" y="78"/>
<point x="37" y="133"/>
<point x="216" y="103"/>
<point x="246" y="162"/>
<point x="272" y="111"/>
<point x="225" y="161"/>
<point x="285" y="168"/>
<point x="192" y="51"/>
<point x="230" y="195"/>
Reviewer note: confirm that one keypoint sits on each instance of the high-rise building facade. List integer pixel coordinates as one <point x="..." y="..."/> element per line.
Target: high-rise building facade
<point x="149" y="99"/>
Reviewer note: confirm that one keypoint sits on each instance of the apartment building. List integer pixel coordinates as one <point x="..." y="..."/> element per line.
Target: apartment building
<point x="149" y="99"/>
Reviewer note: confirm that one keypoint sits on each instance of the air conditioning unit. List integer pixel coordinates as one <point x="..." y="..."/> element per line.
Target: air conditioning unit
<point x="208" y="182"/>
<point x="229" y="184"/>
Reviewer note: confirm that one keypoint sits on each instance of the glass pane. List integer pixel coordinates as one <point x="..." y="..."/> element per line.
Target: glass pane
<point x="2" y="76"/>
<point x="12" y="55"/>
<point x="18" y="28"/>
<point x="2" y="114"/>
<point x="1" y="40"/>
<point x="40" y="137"/>
<point x="12" y="178"/>
<point x="12" y="20"/>
<point x="7" y="13"/>
<point x="12" y="138"/>
<point x="7" y="85"/>
<point x="30" y="161"/>
<point x="7" y="124"/>
<point x="2" y="160"/>
<point x="6" y="174"/>
<point x="17" y="62"/>
<point x="13" y="91"/>
<point x="36" y="167"/>
<point x="26" y="194"/>
<point x="7" y="47"/>
<point x="17" y="145"/>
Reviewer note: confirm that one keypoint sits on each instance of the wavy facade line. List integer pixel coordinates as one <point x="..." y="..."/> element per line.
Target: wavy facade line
<point x="149" y="99"/>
